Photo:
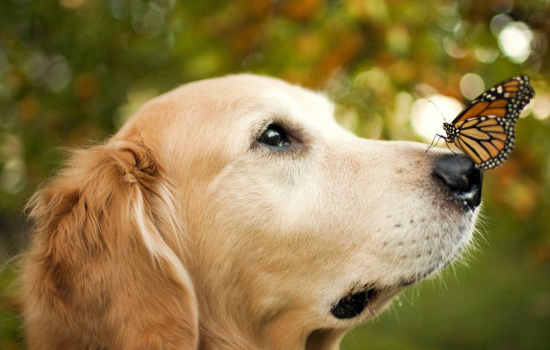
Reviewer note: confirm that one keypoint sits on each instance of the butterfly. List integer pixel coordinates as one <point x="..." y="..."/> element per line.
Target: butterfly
<point x="484" y="130"/>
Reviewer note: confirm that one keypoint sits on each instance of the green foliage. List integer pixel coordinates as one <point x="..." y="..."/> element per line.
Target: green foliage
<point x="74" y="70"/>
<point x="11" y="336"/>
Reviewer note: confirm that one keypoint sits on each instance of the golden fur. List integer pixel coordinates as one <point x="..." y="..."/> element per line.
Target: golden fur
<point x="183" y="232"/>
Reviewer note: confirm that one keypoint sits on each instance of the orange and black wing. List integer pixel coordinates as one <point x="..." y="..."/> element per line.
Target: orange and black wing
<point x="504" y="100"/>
<point x="488" y="141"/>
<point x="485" y="129"/>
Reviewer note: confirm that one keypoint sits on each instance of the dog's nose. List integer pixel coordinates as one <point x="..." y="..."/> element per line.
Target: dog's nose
<point x="462" y="178"/>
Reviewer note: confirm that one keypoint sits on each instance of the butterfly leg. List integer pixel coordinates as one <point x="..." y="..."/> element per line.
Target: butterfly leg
<point x="435" y="142"/>
<point x="450" y="149"/>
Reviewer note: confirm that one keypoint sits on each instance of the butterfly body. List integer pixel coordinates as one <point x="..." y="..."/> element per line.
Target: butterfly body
<point x="484" y="130"/>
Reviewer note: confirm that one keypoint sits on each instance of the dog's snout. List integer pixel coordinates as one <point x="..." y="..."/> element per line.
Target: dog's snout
<point x="462" y="178"/>
<point x="458" y="172"/>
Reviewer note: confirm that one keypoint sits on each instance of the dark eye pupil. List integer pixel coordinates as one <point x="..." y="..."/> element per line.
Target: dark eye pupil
<point x="274" y="137"/>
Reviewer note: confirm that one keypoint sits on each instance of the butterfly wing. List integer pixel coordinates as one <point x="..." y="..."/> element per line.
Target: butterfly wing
<point x="505" y="100"/>
<point x="485" y="129"/>
<point x="488" y="141"/>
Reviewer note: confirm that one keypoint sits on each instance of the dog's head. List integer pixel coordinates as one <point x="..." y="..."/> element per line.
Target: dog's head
<point x="274" y="227"/>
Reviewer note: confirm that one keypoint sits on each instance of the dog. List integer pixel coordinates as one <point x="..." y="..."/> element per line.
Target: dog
<point x="235" y="213"/>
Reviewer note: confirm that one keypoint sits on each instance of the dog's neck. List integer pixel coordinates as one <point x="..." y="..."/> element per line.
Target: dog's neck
<point x="225" y="339"/>
<point x="285" y="330"/>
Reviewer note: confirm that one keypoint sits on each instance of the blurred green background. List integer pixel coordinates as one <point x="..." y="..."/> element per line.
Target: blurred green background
<point x="75" y="70"/>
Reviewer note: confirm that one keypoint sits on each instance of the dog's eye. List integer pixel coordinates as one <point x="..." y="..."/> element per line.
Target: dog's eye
<point x="274" y="136"/>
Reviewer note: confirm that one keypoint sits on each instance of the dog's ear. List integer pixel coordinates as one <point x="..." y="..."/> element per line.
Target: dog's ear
<point x="105" y="266"/>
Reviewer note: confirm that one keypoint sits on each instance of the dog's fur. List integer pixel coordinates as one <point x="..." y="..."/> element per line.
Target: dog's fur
<point x="183" y="231"/>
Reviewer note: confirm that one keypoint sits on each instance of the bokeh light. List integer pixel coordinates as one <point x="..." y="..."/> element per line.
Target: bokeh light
<point x="515" y="41"/>
<point x="428" y="115"/>
<point x="471" y="85"/>
<point x="541" y="105"/>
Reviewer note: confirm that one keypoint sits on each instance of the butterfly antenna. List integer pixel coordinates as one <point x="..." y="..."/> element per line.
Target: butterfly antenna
<point x="439" y="137"/>
<point x="440" y="113"/>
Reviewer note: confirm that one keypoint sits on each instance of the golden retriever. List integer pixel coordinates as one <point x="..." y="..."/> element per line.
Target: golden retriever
<point x="234" y="213"/>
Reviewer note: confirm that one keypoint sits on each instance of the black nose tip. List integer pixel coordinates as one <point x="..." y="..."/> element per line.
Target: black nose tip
<point x="462" y="178"/>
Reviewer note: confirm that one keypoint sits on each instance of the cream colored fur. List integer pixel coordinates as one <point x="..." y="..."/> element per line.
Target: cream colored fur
<point x="184" y="232"/>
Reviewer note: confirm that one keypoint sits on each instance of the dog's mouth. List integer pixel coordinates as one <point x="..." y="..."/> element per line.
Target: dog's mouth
<point x="357" y="300"/>
<point x="354" y="303"/>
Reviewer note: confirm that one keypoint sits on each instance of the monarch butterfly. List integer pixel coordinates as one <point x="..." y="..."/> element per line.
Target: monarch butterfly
<point x="484" y="130"/>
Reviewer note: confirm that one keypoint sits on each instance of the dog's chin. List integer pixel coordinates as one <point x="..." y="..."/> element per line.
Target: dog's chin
<point x="370" y="299"/>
